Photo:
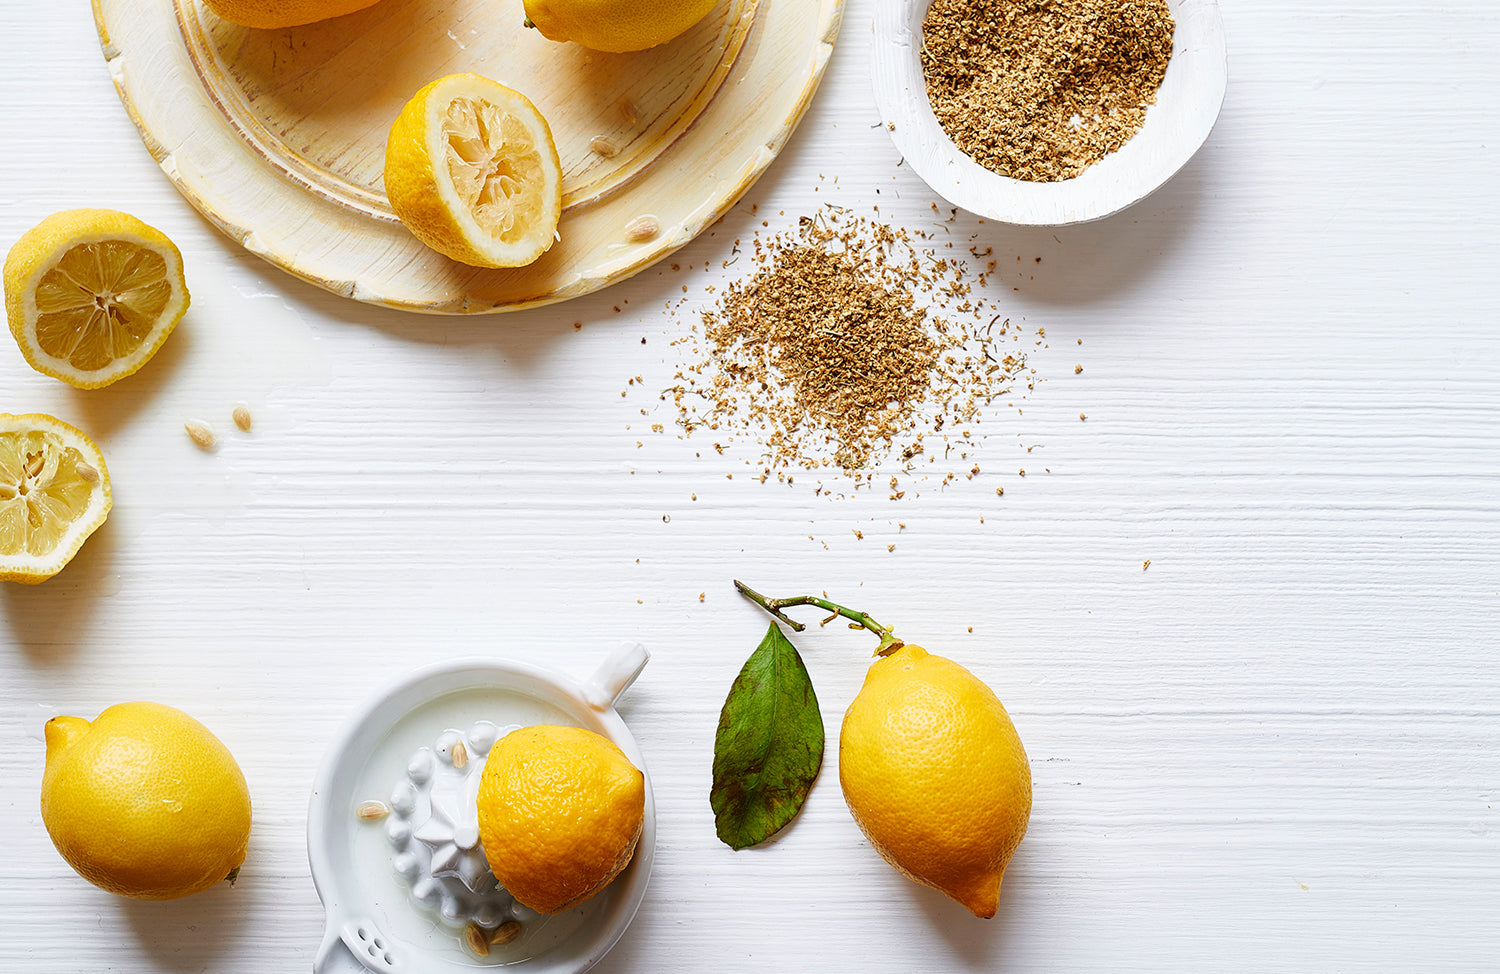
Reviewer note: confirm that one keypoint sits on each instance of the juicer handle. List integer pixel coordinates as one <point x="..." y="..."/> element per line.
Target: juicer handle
<point x="615" y="675"/>
<point x="357" y="947"/>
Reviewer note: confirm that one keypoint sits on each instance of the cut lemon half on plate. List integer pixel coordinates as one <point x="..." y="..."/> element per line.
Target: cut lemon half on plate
<point x="91" y="295"/>
<point x="472" y="171"/>
<point x="54" y="491"/>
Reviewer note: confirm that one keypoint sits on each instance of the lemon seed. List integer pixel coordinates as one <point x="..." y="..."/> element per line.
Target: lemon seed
<point x="86" y="472"/>
<point x="627" y="110"/>
<point x="200" y="433"/>
<point x="372" y="811"/>
<point x="476" y="939"/>
<point x="601" y="146"/>
<point x="506" y="932"/>
<point x="460" y="755"/>
<point x="642" y="228"/>
<point x="242" y="416"/>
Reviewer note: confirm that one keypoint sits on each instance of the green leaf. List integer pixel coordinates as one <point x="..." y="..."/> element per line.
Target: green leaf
<point x="769" y="745"/>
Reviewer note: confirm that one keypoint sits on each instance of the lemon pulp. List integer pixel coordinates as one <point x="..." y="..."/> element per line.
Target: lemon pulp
<point x="472" y="171"/>
<point x="492" y="159"/>
<point x="100" y="303"/>
<point x="54" y="491"/>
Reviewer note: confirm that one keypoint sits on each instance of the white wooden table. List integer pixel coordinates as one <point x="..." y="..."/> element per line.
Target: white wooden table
<point x="1275" y="749"/>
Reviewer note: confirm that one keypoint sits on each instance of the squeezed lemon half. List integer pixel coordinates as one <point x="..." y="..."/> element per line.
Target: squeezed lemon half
<point x="472" y="171"/>
<point x="54" y="491"/>
<point x="91" y="294"/>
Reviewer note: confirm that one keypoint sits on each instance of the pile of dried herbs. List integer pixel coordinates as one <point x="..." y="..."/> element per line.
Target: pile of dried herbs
<point x="850" y="348"/>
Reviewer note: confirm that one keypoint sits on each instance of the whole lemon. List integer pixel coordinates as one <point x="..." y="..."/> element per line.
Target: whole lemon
<point x="616" y="25"/>
<point x="935" y="775"/>
<point x="560" y="812"/>
<point x="283" y="13"/>
<point x="145" y="801"/>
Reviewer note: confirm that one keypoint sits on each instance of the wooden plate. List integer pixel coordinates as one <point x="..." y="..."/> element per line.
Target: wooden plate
<point x="278" y="136"/>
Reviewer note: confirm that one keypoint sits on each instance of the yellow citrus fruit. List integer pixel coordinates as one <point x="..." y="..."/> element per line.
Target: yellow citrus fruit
<point x="90" y="295"/>
<point x="283" y="13"/>
<point x="54" y="492"/>
<point x="935" y="775"/>
<point x="560" y="812"/>
<point x="616" y="25"/>
<point x="145" y="801"/>
<point x="472" y="171"/>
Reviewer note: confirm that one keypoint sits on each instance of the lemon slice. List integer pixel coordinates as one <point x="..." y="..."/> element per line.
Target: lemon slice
<point x="472" y="171"/>
<point x="92" y="294"/>
<point x="54" y="491"/>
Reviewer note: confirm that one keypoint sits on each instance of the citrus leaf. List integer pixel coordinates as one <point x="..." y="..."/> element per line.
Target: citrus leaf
<point x="769" y="745"/>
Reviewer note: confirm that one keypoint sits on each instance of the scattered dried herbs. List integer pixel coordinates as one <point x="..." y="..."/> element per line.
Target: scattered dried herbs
<point x="1042" y="89"/>
<point x="769" y="745"/>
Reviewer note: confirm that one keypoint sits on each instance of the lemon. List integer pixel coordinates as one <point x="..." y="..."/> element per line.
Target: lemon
<point x="54" y="492"/>
<point x="935" y="775"/>
<point x="560" y="812"/>
<point x="145" y="801"/>
<point x="91" y="295"/>
<point x="472" y="171"/>
<point x="283" y="13"/>
<point x="616" y="25"/>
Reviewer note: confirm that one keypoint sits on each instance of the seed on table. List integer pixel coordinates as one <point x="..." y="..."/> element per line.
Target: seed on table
<point x="242" y="416"/>
<point x="475" y="937"/>
<point x="602" y="146"/>
<point x="200" y="433"/>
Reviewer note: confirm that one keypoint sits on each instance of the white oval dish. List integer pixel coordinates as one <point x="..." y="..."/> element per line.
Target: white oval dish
<point x="1176" y="126"/>
<point x="373" y="923"/>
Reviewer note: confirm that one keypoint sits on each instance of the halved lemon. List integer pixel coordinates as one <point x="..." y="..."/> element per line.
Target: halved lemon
<point x="472" y="171"/>
<point x="92" y="294"/>
<point x="54" y="491"/>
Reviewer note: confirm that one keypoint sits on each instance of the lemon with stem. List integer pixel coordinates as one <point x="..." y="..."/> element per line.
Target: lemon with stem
<point x="931" y="766"/>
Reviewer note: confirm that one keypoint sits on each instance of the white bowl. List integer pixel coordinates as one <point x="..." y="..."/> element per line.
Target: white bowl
<point x="1186" y="107"/>
<point x="374" y="925"/>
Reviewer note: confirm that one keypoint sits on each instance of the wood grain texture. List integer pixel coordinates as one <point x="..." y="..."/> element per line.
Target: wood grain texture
<point x="278" y="136"/>
<point x="1275" y="749"/>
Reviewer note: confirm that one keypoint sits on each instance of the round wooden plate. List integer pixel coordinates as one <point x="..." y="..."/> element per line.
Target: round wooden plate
<point x="278" y="136"/>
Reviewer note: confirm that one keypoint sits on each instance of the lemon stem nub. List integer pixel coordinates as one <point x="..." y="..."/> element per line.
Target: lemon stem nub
<point x="888" y="642"/>
<point x="528" y="23"/>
